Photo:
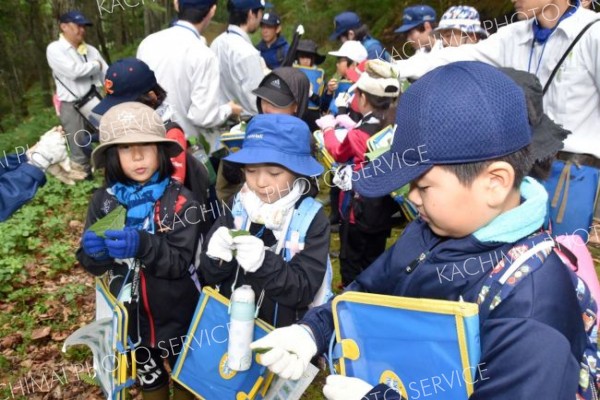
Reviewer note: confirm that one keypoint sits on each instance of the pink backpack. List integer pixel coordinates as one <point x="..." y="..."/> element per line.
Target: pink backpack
<point x="574" y="253"/>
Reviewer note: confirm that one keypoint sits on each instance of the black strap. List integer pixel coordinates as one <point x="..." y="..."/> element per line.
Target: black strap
<point x="65" y="86"/>
<point x="564" y="250"/>
<point x="564" y="57"/>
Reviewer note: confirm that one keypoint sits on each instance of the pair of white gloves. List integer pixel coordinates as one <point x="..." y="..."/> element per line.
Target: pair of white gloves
<point x="249" y="250"/>
<point x="292" y="348"/>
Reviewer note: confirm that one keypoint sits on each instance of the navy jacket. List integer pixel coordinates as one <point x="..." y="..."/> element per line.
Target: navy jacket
<point x="531" y="343"/>
<point x="19" y="181"/>
<point x="275" y="54"/>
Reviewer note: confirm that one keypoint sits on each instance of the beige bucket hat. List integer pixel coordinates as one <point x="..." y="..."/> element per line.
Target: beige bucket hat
<point x="131" y="123"/>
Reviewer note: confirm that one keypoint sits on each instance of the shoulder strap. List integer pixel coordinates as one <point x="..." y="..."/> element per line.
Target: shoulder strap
<point x="65" y="86"/>
<point x="301" y="220"/>
<point x="564" y="57"/>
<point x="525" y="257"/>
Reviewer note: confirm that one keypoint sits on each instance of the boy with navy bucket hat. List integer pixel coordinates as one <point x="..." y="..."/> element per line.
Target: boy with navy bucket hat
<point x="284" y="255"/>
<point x="466" y="157"/>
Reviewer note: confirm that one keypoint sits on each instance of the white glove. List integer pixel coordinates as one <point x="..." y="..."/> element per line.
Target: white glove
<point x="291" y="347"/>
<point x="325" y="122"/>
<point x="220" y="245"/>
<point x="342" y="177"/>
<point x="50" y="149"/>
<point x="250" y="252"/>
<point x="343" y="99"/>
<point x="339" y="387"/>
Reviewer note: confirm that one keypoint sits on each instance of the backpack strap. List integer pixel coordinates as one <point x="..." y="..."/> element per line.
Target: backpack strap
<point x="301" y="220"/>
<point x="239" y="214"/>
<point x="525" y="257"/>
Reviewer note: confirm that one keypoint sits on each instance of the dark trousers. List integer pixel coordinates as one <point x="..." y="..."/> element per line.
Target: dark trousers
<point x="358" y="250"/>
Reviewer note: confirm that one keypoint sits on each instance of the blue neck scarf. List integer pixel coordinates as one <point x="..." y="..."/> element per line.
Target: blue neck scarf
<point x="541" y="34"/>
<point x="139" y="201"/>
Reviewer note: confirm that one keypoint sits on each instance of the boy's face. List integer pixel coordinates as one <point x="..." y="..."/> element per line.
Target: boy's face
<point x="269" y="182"/>
<point x="270" y="108"/>
<point x="456" y="38"/>
<point x="341" y="65"/>
<point x="269" y="33"/>
<point x="454" y="210"/>
<point x="420" y="36"/>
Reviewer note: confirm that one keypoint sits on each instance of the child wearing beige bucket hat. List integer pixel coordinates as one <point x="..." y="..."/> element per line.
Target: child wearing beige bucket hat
<point x="160" y="235"/>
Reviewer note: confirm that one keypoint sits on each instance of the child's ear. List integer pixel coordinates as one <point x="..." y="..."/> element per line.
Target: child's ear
<point x="278" y="30"/>
<point x="499" y="180"/>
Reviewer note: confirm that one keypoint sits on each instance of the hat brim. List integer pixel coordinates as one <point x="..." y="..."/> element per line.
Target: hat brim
<point x="273" y="96"/>
<point x="477" y="30"/>
<point x="407" y="27"/>
<point x="99" y="153"/>
<point x="386" y="174"/>
<point x="301" y="165"/>
<point x="110" y="101"/>
<point x="335" y="35"/>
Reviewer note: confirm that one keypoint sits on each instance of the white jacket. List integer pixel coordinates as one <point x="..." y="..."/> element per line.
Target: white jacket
<point x="573" y="98"/>
<point x="189" y="71"/>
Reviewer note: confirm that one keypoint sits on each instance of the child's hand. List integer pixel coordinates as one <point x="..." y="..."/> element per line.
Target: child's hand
<point x="291" y="349"/>
<point x="326" y="122"/>
<point x="94" y="246"/>
<point x="250" y="252"/>
<point x="123" y="243"/>
<point x="339" y="387"/>
<point x="345" y="121"/>
<point x="220" y="245"/>
<point x="332" y="86"/>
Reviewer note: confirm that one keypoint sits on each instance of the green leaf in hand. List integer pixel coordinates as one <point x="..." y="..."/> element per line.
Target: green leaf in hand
<point x="238" y="232"/>
<point x="113" y="220"/>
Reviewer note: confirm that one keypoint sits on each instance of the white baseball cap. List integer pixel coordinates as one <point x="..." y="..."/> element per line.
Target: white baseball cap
<point x="351" y="49"/>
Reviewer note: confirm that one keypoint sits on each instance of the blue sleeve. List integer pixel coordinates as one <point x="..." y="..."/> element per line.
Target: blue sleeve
<point x="19" y="181"/>
<point x="320" y="319"/>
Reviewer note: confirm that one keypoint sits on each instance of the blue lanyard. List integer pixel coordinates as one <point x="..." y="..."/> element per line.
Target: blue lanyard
<point x="539" y="60"/>
<point x="235" y="33"/>
<point x="195" y="32"/>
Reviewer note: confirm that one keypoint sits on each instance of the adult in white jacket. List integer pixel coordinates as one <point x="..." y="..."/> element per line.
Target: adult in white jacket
<point x="573" y="97"/>
<point x="189" y="71"/>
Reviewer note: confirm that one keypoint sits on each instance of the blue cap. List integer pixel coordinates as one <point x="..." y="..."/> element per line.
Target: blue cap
<point x="246" y="5"/>
<point x="415" y="16"/>
<point x="76" y="17"/>
<point x="270" y="19"/>
<point x="196" y="4"/>
<point x="126" y="80"/>
<point x="460" y="113"/>
<point x="343" y="23"/>
<point x="278" y="139"/>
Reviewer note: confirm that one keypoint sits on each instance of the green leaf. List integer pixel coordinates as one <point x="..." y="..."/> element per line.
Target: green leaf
<point x="238" y="232"/>
<point x="113" y="220"/>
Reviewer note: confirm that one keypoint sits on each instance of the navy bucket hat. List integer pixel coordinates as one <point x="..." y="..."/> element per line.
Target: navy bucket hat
<point x="460" y="113"/>
<point x="278" y="139"/>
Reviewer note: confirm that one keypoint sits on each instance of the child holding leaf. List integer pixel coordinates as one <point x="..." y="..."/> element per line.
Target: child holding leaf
<point x="284" y="253"/>
<point x="158" y="232"/>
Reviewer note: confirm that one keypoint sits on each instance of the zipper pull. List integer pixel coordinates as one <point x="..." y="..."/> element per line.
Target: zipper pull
<point x="415" y="263"/>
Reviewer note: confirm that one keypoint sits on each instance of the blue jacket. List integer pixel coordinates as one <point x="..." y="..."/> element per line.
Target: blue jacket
<point x="19" y="181"/>
<point x="531" y="343"/>
<point x="275" y="54"/>
<point x="375" y="49"/>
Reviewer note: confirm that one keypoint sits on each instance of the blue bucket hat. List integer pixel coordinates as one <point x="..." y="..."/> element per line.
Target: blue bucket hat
<point x="278" y="139"/>
<point x="460" y="113"/>
<point x="126" y="80"/>
<point x="415" y="16"/>
<point x="344" y="22"/>
<point x="76" y="17"/>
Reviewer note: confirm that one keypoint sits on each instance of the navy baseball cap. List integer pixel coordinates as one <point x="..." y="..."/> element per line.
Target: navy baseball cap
<point x="278" y="139"/>
<point x="460" y="113"/>
<point x="196" y="3"/>
<point x="76" y="17"/>
<point x="246" y="5"/>
<point x="414" y="16"/>
<point x="270" y="19"/>
<point x="126" y="80"/>
<point x="343" y="22"/>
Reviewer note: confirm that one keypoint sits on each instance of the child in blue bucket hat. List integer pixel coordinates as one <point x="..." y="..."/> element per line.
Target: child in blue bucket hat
<point x="466" y="156"/>
<point x="284" y="254"/>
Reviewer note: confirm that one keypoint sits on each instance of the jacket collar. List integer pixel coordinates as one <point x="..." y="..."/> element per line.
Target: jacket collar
<point x="236" y="30"/>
